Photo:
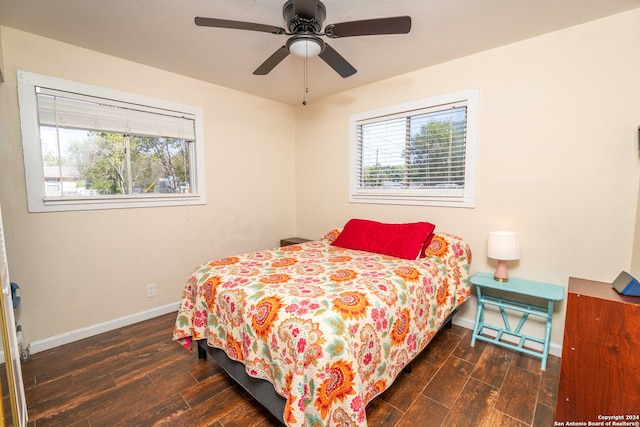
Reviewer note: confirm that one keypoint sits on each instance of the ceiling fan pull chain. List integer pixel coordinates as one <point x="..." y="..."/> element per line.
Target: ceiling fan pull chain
<point x="306" y="82"/>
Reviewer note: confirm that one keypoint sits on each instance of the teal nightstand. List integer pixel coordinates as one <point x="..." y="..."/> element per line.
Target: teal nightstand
<point x="485" y="284"/>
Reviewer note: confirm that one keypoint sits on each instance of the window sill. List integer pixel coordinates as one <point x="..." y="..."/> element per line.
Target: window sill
<point x="442" y="201"/>
<point x="53" y="204"/>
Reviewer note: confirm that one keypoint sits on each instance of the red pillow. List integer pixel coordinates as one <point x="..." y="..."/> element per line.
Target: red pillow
<point x="399" y="240"/>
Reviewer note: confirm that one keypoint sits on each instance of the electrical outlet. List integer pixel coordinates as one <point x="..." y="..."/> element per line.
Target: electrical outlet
<point x="151" y="290"/>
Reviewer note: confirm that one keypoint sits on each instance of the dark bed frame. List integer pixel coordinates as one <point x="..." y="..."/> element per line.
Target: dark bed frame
<point x="262" y="390"/>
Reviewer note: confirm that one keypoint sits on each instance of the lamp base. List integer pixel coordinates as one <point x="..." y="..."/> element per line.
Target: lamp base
<point x="501" y="274"/>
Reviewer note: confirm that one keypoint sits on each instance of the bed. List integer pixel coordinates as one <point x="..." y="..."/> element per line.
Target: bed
<point x="328" y="327"/>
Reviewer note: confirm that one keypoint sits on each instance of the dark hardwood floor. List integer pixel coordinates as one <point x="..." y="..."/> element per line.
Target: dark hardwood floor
<point x="138" y="376"/>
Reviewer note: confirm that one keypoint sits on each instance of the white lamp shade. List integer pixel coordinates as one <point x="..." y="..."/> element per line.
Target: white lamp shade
<point x="305" y="48"/>
<point x="503" y="245"/>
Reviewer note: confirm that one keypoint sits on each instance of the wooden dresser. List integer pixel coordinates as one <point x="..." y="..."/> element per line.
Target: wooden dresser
<point x="600" y="368"/>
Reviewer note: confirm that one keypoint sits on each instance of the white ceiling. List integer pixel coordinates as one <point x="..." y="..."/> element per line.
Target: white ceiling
<point x="162" y="34"/>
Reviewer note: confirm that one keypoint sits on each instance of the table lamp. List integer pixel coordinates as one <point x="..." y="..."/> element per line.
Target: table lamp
<point x="503" y="246"/>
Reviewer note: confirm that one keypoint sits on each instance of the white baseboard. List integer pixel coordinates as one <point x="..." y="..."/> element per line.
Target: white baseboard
<point x="554" y="349"/>
<point x="78" y="334"/>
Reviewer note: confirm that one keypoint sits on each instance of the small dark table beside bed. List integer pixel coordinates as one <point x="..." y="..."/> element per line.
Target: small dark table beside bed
<point x="315" y="331"/>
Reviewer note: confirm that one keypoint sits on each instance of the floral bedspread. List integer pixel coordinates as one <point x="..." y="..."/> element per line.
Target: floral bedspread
<point x="330" y="328"/>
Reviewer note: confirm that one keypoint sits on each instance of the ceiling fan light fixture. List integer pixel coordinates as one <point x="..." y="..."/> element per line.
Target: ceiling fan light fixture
<point x="305" y="47"/>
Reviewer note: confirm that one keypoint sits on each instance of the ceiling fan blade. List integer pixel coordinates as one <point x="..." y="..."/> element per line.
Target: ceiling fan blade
<point x="370" y="27"/>
<point x="272" y="61"/>
<point x="305" y="9"/>
<point x="238" y="25"/>
<point x="337" y="62"/>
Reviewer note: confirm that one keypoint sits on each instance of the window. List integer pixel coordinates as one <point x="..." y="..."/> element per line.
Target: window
<point x="419" y="153"/>
<point x="87" y="147"/>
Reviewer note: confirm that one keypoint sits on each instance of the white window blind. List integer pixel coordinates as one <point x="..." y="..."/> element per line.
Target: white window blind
<point x="417" y="153"/>
<point x="421" y="149"/>
<point x="75" y="111"/>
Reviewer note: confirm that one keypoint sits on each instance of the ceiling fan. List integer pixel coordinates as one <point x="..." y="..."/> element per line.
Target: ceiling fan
<point x="304" y="20"/>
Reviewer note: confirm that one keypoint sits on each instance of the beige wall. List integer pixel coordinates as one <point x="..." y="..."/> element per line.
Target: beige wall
<point x="1" y="63"/>
<point x="78" y="269"/>
<point x="558" y="152"/>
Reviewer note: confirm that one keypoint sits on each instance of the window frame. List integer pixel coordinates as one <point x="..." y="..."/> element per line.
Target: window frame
<point x="38" y="201"/>
<point x="429" y="196"/>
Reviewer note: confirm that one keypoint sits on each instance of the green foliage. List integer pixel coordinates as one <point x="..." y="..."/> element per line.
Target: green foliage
<point x="113" y="163"/>
<point x="432" y="153"/>
<point x="106" y="172"/>
<point x="380" y="175"/>
<point x="159" y="157"/>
